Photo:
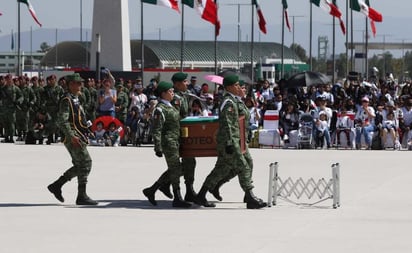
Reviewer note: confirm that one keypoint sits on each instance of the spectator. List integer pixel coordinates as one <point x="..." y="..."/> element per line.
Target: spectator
<point x="364" y="122"/>
<point x="107" y="99"/>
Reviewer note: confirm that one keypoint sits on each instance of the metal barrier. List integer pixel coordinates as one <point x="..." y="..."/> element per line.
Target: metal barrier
<point x="324" y="189"/>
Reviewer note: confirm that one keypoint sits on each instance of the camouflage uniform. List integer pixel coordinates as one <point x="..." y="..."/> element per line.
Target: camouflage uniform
<point x="91" y="110"/>
<point x="22" y="112"/>
<point x="11" y="98"/>
<point x="166" y="134"/>
<point x="50" y="104"/>
<point x="121" y="104"/>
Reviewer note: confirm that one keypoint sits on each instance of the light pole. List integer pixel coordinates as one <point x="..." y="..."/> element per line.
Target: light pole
<point x="383" y="51"/>
<point x="293" y="38"/>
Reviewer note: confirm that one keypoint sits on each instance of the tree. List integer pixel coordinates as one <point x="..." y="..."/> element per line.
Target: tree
<point x="44" y="47"/>
<point x="299" y="51"/>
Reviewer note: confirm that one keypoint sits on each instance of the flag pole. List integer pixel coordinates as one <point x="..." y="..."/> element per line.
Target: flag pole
<point x="182" y="38"/>
<point x="282" y="52"/>
<point x="18" y="70"/>
<point x="366" y="48"/>
<point x="352" y="59"/>
<point x="310" y="36"/>
<point x="333" y="49"/>
<point x="251" y="44"/>
<point x="347" y="39"/>
<point x="141" y="41"/>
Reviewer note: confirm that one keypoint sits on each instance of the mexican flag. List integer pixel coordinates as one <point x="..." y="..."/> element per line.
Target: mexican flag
<point x="31" y="10"/>
<point x="285" y="10"/>
<point x="363" y="6"/>
<point x="261" y="18"/>
<point x="332" y="9"/>
<point x="207" y="9"/>
<point x="167" y="3"/>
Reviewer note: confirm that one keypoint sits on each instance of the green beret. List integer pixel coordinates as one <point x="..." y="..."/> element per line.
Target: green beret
<point x="242" y="83"/>
<point x="73" y="78"/>
<point x="179" y="76"/>
<point x="163" y="86"/>
<point x="230" y="80"/>
<point x="119" y="84"/>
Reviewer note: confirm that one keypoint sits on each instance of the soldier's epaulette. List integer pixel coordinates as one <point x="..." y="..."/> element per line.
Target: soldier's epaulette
<point x="225" y="102"/>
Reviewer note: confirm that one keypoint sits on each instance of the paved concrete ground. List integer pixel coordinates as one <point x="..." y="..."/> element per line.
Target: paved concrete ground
<point x="375" y="213"/>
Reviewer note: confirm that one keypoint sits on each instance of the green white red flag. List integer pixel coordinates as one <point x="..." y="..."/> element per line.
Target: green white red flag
<point x="332" y="9"/>
<point x="364" y="7"/>
<point x="207" y="9"/>
<point x="167" y="3"/>
<point x="261" y="18"/>
<point x="285" y="10"/>
<point x="31" y="10"/>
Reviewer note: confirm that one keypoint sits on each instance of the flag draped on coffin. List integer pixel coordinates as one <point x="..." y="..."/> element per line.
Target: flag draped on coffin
<point x="167" y="3"/>
<point x="285" y="10"/>
<point x="207" y="9"/>
<point x="261" y="18"/>
<point x="31" y="10"/>
<point x="372" y="14"/>
<point x="332" y="9"/>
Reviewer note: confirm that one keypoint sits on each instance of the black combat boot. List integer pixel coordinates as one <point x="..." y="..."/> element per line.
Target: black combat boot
<point x="165" y="189"/>
<point x="56" y="188"/>
<point x="82" y="198"/>
<point x="215" y="191"/>
<point x="178" y="200"/>
<point x="252" y="202"/>
<point x="190" y="195"/>
<point x="150" y="193"/>
<point x="201" y="198"/>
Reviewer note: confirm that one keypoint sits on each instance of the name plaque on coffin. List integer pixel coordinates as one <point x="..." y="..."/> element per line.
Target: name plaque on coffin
<point x="198" y="136"/>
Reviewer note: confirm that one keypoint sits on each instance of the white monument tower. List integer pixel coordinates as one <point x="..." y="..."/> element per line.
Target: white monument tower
<point x="111" y="23"/>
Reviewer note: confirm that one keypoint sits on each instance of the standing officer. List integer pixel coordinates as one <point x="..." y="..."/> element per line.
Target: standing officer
<point x="2" y="84"/>
<point x="91" y="110"/>
<point x="230" y="156"/>
<point x="22" y="112"/>
<point x="166" y="137"/>
<point x="121" y="103"/>
<point x="73" y="124"/>
<point x="11" y="99"/>
<point x="50" y="98"/>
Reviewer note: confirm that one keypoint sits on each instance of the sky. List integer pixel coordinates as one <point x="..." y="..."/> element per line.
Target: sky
<point x="63" y="14"/>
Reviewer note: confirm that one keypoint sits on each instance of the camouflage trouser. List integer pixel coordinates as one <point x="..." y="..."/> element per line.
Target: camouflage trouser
<point x="228" y="166"/>
<point x="9" y="123"/>
<point x="189" y="165"/>
<point x="82" y="163"/>
<point x="22" y="121"/>
<point x="174" y="167"/>
<point x="53" y="120"/>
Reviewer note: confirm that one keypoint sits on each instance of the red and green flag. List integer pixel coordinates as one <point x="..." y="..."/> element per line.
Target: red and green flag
<point x="261" y="18"/>
<point x="207" y="9"/>
<point x="332" y="9"/>
<point x="31" y="10"/>
<point x="285" y="10"/>
<point x="364" y="7"/>
<point x="167" y="3"/>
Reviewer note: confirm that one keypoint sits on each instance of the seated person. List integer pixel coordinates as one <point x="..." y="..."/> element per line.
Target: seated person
<point x="365" y="123"/>
<point x="389" y="125"/>
<point x="289" y="120"/>
<point x="113" y="135"/>
<point x="321" y="127"/>
<point x="344" y="124"/>
<point x="39" y="130"/>
<point x="99" y="138"/>
<point x="197" y="109"/>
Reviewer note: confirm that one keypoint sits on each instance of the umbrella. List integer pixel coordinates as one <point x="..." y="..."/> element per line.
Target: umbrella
<point x="307" y="78"/>
<point x="106" y="120"/>
<point x="243" y="77"/>
<point x="214" y="79"/>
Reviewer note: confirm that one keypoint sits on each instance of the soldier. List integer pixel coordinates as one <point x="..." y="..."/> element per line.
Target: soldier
<point x="22" y="112"/>
<point x="166" y="136"/>
<point x="91" y="110"/>
<point x="230" y="156"/>
<point x="73" y="124"/>
<point x="2" y="84"/>
<point x="121" y="103"/>
<point x="50" y="103"/>
<point x="11" y="99"/>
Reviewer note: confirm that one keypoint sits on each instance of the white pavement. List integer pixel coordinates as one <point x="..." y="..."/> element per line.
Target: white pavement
<point x="375" y="213"/>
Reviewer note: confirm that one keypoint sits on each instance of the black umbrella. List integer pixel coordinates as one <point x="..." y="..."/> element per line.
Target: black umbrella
<point x="243" y="77"/>
<point x="307" y="78"/>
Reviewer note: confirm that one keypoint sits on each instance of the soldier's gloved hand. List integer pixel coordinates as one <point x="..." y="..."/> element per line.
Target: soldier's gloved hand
<point x="229" y="149"/>
<point x="159" y="154"/>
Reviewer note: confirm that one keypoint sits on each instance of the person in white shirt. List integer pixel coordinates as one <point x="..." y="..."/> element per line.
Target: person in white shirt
<point x="137" y="98"/>
<point x="365" y="120"/>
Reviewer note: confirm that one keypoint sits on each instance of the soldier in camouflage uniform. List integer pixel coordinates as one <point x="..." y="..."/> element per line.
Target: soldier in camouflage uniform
<point x="181" y="102"/>
<point x="230" y="156"/>
<point x="91" y="110"/>
<point x="166" y="137"/>
<point x="50" y="98"/>
<point x="73" y="124"/>
<point x="122" y="103"/>
<point x="2" y="84"/>
<point x="11" y="99"/>
<point x="22" y="112"/>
